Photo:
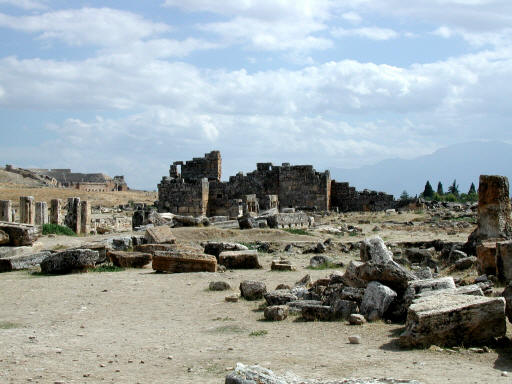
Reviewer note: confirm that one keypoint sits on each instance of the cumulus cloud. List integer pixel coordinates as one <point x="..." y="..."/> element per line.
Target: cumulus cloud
<point x="25" y="4"/>
<point x="372" y="33"/>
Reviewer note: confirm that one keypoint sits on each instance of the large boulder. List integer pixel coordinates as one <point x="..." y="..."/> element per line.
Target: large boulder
<point x="129" y="259"/>
<point x="178" y="262"/>
<point x="390" y="274"/>
<point x="374" y="249"/>
<point x="160" y="235"/>
<point x="454" y="320"/>
<point x="240" y="259"/>
<point x="376" y="300"/>
<point x="276" y="312"/>
<point x="351" y="277"/>
<point x="252" y="290"/>
<point x="215" y="248"/>
<point x="69" y="261"/>
<point x="342" y="309"/>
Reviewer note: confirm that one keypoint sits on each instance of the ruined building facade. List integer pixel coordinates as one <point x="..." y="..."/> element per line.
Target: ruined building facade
<point x="195" y="188"/>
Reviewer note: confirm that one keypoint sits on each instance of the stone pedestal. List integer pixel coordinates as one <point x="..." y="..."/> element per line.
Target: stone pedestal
<point x="27" y="210"/>
<point x="73" y="216"/>
<point x="55" y="211"/>
<point x="41" y="213"/>
<point x="486" y="255"/>
<point x="6" y="210"/>
<point x="85" y="217"/>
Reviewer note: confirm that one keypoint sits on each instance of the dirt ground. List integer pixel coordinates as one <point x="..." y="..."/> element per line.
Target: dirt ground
<point x="136" y="326"/>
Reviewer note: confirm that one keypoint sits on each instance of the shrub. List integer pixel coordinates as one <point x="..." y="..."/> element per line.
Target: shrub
<point x="57" y="230"/>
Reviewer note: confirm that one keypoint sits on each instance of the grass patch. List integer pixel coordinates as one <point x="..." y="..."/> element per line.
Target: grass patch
<point x="9" y="325"/>
<point x="227" y="318"/>
<point x="59" y="247"/>
<point x="261" y="332"/>
<point x="297" y="231"/>
<point x="321" y="267"/>
<point x="228" y="329"/>
<point x="56" y="229"/>
<point x="353" y="234"/>
<point x="107" y="268"/>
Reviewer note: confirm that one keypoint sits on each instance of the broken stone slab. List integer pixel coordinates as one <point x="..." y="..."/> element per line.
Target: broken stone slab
<point x="419" y="255"/>
<point x="276" y="312"/>
<point x="486" y="255"/>
<point x="342" y="309"/>
<point x="247" y="223"/>
<point x="160" y="235"/>
<point x="152" y="248"/>
<point x="215" y="248"/>
<point x="418" y="287"/>
<point x="129" y="259"/>
<point x="244" y="374"/>
<point x="454" y="320"/>
<point x="288" y="220"/>
<point x="465" y="263"/>
<point x="252" y="290"/>
<point x="17" y="263"/>
<point x="340" y="292"/>
<point x="281" y="265"/>
<point x="390" y="274"/>
<point x="356" y="319"/>
<point x="279" y="297"/>
<point x="319" y="260"/>
<point x="219" y="286"/>
<point x="4" y="238"/>
<point x="351" y="277"/>
<point x="182" y="262"/>
<point x="314" y="312"/>
<point x="21" y="234"/>
<point x="297" y="305"/>
<point x="101" y="248"/>
<point x="504" y="260"/>
<point x="374" y="249"/>
<point x="376" y="300"/>
<point x="423" y="273"/>
<point x="69" y="261"/>
<point x="240" y="259"/>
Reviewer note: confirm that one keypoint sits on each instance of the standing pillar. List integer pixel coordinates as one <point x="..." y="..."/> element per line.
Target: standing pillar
<point x="5" y="210"/>
<point x="27" y="210"/>
<point x="41" y="213"/>
<point x="55" y="211"/>
<point x="73" y="217"/>
<point x="85" y="216"/>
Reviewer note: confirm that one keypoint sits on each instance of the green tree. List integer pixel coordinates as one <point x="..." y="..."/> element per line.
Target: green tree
<point x="472" y="189"/>
<point x="440" y="191"/>
<point x="454" y="189"/>
<point x="428" y="192"/>
<point x="404" y="196"/>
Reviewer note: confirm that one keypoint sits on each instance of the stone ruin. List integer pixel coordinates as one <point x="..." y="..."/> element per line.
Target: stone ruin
<point x="195" y="188"/>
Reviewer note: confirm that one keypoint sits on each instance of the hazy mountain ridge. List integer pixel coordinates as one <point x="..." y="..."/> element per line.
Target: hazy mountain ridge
<point x="463" y="162"/>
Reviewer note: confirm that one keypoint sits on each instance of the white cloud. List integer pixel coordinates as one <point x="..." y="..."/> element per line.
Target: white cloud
<point x="25" y="4"/>
<point x="98" y="26"/>
<point x="372" y="33"/>
<point x="352" y="17"/>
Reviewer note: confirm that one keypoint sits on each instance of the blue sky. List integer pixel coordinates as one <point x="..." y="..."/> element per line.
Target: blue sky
<point x="128" y="87"/>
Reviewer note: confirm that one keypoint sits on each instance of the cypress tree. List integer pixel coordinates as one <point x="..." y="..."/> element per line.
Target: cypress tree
<point x="440" y="191"/>
<point x="428" y="192"/>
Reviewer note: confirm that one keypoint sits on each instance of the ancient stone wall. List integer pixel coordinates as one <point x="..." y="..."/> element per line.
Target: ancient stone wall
<point x="209" y="166"/>
<point x="178" y="197"/>
<point x="345" y="198"/>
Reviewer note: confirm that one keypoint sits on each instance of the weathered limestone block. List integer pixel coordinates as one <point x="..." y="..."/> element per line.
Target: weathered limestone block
<point x="486" y="255"/>
<point x="85" y="217"/>
<point x="314" y="312"/>
<point x="454" y="320"/>
<point x="160" y="235"/>
<point x="281" y="265"/>
<point x="152" y="248"/>
<point x="73" y="217"/>
<point x="351" y="277"/>
<point x="177" y="262"/>
<point x="419" y="255"/>
<point x="504" y="260"/>
<point x="342" y="309"/>
<point x="6" y="210"/>
<point x="418" y="287"/>
<point x="465" y="263"/>
<point x="286" y="220"/>
<point x="56" y="211"/>
<point x="17" y="263"/>
<point x="101" y="248"/>
<point x="240" y="259"/>
<point x="390" y="274"/>
<point x="129" y="259"/>
<point x="41" y="213"/>
<point x="374" y="249"/>
<point x="4" y="238"/>
<point x="215" y="248"/>
<point x="279" y="297"/>
<point x="69" y="261"/>
<point x="247" y="222"/>
<point x="27" y="210"/>
<point x="21" y="234"/>
<point x="276" y="312"/>
<point x="376" y="300"/>
<point x="219" y="286"/>
<point x="319" y="260"/>
<point x="252" y="290"/>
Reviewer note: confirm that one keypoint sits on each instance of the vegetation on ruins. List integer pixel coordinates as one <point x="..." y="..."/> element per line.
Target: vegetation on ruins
<point x="56" y="229"/>
<point x="296" y="231"/>
<point x="453" y="194"/>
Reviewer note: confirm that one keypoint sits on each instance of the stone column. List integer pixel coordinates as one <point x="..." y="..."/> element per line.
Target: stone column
<point x="41" y="213"/>
<point x="72" y="219"/>
<point x="85" y="215"/>
<point x="5" y="210"/>
<point x="55" y="211"/>
<point x="27" y="210"/>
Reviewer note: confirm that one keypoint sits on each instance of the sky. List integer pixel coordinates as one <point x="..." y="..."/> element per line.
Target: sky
<point x="126" y="87"/>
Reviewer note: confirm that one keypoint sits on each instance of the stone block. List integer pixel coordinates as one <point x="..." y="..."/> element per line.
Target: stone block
<point x="374" y="249"/>
<point x="56" y="211"/>
<point x="276" y="312"/>
<point x="279" y="297"/>
<point x="454" y="320"/>
<point x="418" y="287"/>
<point x="376" y="300"/>
<point x="27" y="210"/>
<point x="313" y="312"/>
<point x="152" y="248"/>
<point x="20" y="234"/>
<point x="160" y="235"/>
<point x="486" y="255"/>
<point x="342" y="309"/>
<point x="129" y="259"/>
<point x="390" y="274"/>
<point x="252" y="290"/>
<point x="6" y="210"/>
<point x="41" y="213"/>
<point x="17" y="263"/>
<point x="215" y="248"/>
<point x="240" y="259"/>
<point x="85" y="217"/>
<point x="69" y="261"/>
<point x="281" y="265"/>
<point x="4" y="238"/>
<point x="504" y="260"/>
<point x="178" y="262"/>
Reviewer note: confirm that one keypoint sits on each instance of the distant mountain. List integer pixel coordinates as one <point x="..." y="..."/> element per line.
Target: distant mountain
<point x="463" y="162"/>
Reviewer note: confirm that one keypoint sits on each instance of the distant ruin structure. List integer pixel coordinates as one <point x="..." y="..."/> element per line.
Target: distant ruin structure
<point x="89" y="182"/>
<point x="195" y="188"/>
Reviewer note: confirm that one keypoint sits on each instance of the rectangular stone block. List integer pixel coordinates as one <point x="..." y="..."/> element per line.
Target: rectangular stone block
<point x="177" y="262"/>
<point x="129" y="259"/>
<point x="486" y="258"/>
<point x="21" y="234"/>
<point x="6" y="210"/>
<point x="240" y="259"/>
<point x="27" y="210"/>
<point x="85" y="217"/>
<point x="160" y="235"/>
<point x="454" y="320"/>
<point x="504" y="260"/>
<point x="41" y="213"/>
<point x="73" y="217"/>
<point x="55" y="211"/>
